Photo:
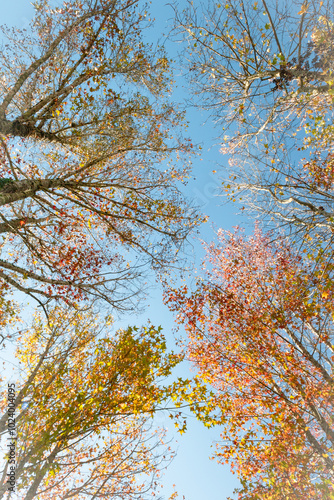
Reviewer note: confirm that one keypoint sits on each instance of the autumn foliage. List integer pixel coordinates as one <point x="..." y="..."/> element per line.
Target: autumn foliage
<point x="260" y="330"/>
<point x="88" y="145"/>
<point x="85" y="403"/>
<point x="92" y="162"/>
<point x="263" y="70"/>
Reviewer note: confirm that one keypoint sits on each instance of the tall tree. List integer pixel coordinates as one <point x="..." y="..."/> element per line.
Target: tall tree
<point x="256" y="65"/>
<point x="84" y="399"/>
<point x="87" y="175"/>
<point x="264" y="71"/>
<point x="260" y="332"/>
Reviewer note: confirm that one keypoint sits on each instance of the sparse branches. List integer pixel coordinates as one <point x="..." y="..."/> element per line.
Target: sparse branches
<point x="264" y="71"/>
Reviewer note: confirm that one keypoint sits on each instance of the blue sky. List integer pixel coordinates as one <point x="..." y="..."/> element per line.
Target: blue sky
<point x="194" y="474"/>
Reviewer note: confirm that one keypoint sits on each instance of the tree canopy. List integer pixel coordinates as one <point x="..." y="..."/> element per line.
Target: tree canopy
<point x="84" y="405"/>
<point x="88" y="143"/>
<point x="92" y="156"/>
<point x="93" y="161"/>
<point x="264" y="72"/>
<point x="259" y="66"/>
<point x="260" y="332"/>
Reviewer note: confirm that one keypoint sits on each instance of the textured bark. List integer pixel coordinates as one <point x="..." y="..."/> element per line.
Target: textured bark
<point x="20" y="190"/>
<point x="21" y="128"/>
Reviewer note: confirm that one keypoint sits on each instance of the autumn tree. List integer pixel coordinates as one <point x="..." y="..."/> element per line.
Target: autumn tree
<point x="264" y="72"/>
<point x="84" y="399"/>
<point x="88" y="145"/>
<point x="256" y="65"/>
<point x="260" y="332"/>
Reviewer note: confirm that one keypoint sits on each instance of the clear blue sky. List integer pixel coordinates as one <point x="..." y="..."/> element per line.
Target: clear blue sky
<point x="195" y="476"/>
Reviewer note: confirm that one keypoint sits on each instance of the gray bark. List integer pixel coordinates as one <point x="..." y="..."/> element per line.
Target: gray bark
<point x="19" y="190"/>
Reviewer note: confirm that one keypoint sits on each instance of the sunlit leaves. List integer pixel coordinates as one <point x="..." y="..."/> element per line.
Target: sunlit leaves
<point x="90" y="397"/>
<point x="260" y="332"/>
<point x="87" y="131"/>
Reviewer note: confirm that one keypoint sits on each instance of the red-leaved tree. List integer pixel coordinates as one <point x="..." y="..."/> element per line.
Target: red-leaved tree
<point x="260" y="332"/>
